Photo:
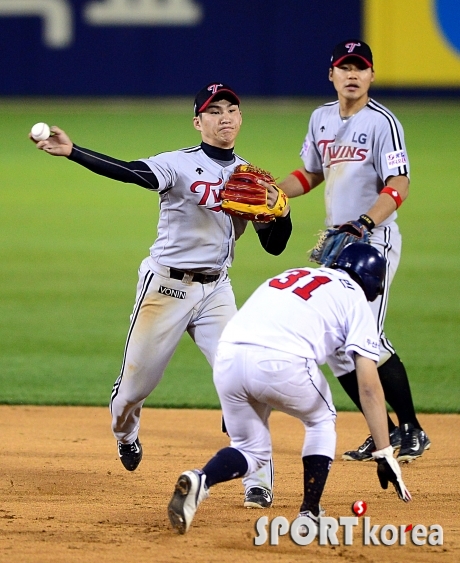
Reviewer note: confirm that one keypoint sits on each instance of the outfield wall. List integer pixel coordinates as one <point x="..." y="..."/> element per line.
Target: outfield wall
<point x="260" y="47"/>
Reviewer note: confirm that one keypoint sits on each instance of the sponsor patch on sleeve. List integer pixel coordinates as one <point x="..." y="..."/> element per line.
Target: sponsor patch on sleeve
<point x="395" y="159"/>
<point x="305" y="147"/>
<point x="372" y="345"/>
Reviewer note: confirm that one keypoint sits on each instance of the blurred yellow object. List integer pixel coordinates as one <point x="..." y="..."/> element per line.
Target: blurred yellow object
<point x="408" y="44"/>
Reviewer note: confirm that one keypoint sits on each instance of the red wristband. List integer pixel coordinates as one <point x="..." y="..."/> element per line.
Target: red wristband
<point x="394" y="194"/>
<point x="305" y="185"/>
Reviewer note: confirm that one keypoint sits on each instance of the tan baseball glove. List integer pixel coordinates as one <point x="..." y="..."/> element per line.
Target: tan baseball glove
<point x="244" y="197"/>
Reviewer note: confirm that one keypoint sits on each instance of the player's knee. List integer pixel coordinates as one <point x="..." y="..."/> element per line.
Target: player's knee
<point x="256" y="459"/>
<point x="320" y="439"/>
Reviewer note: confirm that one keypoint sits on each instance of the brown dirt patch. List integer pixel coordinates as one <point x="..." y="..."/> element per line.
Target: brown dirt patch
<point x="65" y="496"/>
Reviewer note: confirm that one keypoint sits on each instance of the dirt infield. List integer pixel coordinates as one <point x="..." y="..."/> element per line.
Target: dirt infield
<point x="66" y="498"/>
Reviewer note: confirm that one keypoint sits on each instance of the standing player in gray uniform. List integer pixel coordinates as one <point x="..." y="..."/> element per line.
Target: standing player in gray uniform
<point x="183" y="284"/>
<point x="356" y="146"/>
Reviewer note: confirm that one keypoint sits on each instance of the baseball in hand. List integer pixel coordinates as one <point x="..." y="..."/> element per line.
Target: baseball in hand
<point x="40" y="132"/>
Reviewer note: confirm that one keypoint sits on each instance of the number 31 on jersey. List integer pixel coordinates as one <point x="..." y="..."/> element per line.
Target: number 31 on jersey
<point x="288" y="279"/>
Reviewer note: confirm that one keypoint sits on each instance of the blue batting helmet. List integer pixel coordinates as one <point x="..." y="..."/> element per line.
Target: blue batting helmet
<point x="365" y="265"/>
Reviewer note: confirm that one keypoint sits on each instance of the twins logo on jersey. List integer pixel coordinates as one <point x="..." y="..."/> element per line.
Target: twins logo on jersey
<point x="335" y="154"/>
<point x="210" y="193"/>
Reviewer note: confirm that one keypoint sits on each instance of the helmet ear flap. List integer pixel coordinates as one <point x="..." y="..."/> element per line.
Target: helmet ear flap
<point x="365" y="265"/>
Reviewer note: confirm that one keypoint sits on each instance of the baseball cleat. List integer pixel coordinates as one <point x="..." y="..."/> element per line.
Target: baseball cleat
<point x="189" y="491"/>
<point x="258" y="497"/>
<point x="304" y="529"/>
<point x="130" y="454"/>
<point x="364" y="452"/>
<point x="414" y="442"/>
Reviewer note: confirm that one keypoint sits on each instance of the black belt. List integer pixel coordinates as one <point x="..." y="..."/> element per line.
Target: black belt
<point x="200" y="278"/>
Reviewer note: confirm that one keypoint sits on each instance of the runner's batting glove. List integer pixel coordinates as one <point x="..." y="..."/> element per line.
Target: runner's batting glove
<point x="388" y="470"/>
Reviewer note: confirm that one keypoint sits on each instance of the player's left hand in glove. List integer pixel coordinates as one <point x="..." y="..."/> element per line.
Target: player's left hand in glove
<point x="388" y="471"/>
<point x="244" y="195"/>
<point x="332" y="241"/>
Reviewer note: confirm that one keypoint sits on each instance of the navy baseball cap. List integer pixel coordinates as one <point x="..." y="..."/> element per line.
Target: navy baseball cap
<point x="352" y="48"/>
<point x="210" y="92"/>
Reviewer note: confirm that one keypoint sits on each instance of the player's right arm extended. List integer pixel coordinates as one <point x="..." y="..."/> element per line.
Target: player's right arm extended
<point x="300" y="182"/>
<point x="372" y="400"/>
<point x="134" y="172"/>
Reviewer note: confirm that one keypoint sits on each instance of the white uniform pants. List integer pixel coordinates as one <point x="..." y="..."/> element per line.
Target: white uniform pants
<point x="165" y="308"/>
<point x="253" y="380"/>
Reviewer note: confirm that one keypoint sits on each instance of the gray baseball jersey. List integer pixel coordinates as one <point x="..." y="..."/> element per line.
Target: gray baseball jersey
<point x="195" y="238"/>
<point x="193" y="232"/>
<point x="356" y="156"/>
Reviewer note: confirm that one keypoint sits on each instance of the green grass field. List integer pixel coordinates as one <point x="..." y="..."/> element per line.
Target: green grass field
<point x="71" y="243"/>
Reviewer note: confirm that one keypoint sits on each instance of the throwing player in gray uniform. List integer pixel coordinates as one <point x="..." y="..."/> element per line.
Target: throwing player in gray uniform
<point x="183" y="284"/>
<point x="357" y="147"/>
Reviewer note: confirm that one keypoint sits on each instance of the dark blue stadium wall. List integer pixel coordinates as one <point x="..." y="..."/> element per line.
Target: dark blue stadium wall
<point x="171" y="47"/>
